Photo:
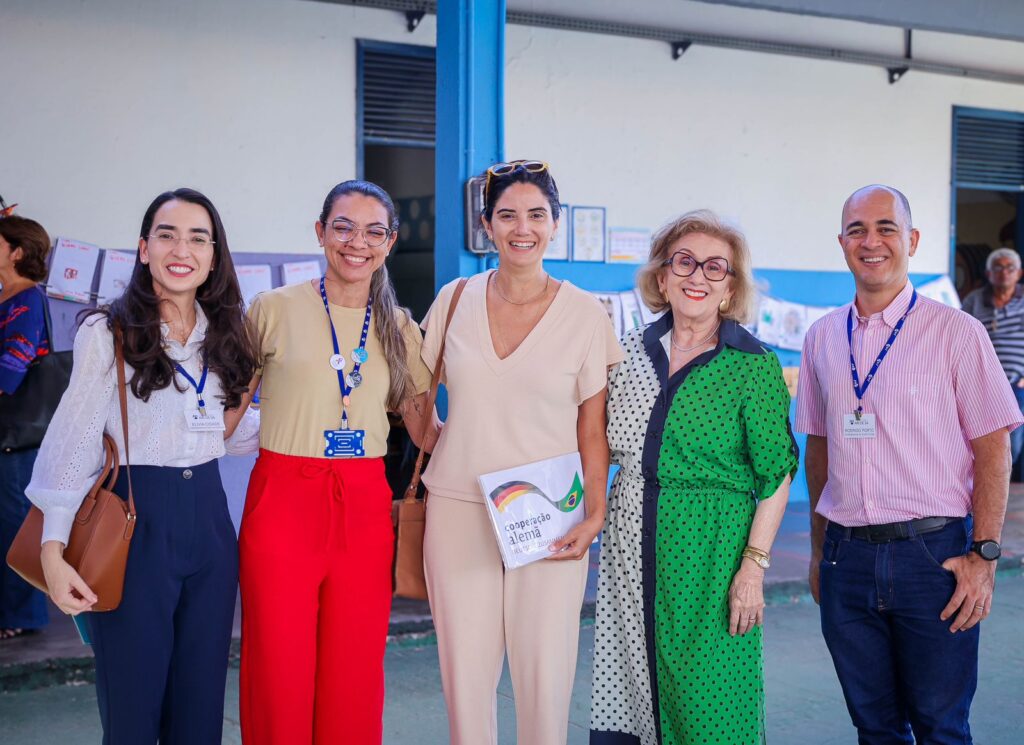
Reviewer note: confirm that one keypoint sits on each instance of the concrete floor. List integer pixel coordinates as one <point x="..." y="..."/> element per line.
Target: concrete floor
<point x="804" y="704"/>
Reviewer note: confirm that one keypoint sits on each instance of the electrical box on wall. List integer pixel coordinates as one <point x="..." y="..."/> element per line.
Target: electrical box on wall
<point x="476" y="237"/>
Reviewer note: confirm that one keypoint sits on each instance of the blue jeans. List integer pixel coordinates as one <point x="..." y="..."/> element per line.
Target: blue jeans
<point x="21" y="605"/>
<point x="900" y="668"/>
<point x="1017" y="436"/>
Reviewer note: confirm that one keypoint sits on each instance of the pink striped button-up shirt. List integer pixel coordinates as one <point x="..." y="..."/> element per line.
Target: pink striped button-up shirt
<point x="939" y="387"/>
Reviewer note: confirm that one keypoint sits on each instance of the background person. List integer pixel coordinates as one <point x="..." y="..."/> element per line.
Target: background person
<point x="162" y="655"/>
<point x="1000" y="308"/>
<point x="908" y="476"/>
<point x="23" y="339"/>
<point x="698" y="420"/>
<point x="316" y="538"/>
<point x="525" y="365"/>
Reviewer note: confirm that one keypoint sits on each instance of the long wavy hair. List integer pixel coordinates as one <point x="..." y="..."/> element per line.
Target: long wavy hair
<point x="230" y="345"/>
<point x="386" y="310"/>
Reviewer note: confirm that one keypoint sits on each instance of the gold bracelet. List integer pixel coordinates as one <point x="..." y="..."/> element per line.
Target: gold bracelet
<point x="757" y="556"/>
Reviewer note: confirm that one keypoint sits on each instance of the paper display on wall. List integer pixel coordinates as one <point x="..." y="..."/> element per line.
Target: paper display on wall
<point x="612" y="304"/>
<point x="631" y="316"/>
<point x="72" y="270"/>
<point x="115" y="272"/>
<point x="296" y="272"/>
<point x="252" y="280"/>
<point x="628" y="245"/>
<point x="781" y="324"/>
<point x="941" y="290"/>
<point x="533" y="505"/>
<point x="588" y="234"/>
<point x="558" y="246"/>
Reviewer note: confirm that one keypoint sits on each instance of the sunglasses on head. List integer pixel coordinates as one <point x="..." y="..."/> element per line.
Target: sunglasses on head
<point x="504" y="169"/>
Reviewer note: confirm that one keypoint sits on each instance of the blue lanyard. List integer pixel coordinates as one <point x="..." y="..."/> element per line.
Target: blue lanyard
<point x="858" y="389"/>
<point x="351" y="381"/>
<point x="198" y="386"/>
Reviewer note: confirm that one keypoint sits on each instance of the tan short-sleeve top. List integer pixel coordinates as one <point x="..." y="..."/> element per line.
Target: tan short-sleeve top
<point x="299" y="395"/>
<point x="507" y="412"/>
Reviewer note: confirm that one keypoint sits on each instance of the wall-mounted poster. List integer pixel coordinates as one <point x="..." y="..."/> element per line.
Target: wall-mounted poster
<point x="646" y="314"/>
<point x="72" y="270"/>
<point x="783" y="324"/>
<point x="612" y="304"/>
<point x="628" y="245"/>
<point x="115" y="272"/>
<point x="588" y="233"/>
<point x="632" y="318"/>
<point x="941" y="290"/>
<point x="297" y="272"/>
<point x="252" y="280"/>
<point x="558" y="248"/>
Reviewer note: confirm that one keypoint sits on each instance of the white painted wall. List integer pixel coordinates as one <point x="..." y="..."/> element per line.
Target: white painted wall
<point x="776" y="143"/>
<point x="107" y="103"/>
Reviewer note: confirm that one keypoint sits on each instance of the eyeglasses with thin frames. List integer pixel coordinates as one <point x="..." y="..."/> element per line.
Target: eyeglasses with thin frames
<point x="715" y="268"/>
<point x="373" y="236"/>
<point x="167" y="238"/>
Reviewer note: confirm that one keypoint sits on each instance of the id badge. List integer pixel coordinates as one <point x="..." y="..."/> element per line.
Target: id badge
<point x="859" y="429"/>
<point x="344" y="443"/>
<point x="208" y="422"/>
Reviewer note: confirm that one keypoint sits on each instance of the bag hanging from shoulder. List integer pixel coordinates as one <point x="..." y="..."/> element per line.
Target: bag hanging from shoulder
<point x="26" y="413"/>
<point x="102" y="532"/>
<point x="409" y="513"/>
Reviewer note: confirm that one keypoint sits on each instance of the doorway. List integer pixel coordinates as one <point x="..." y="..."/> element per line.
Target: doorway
<point x="988" y="190"/>
<point x="395" y="148"/>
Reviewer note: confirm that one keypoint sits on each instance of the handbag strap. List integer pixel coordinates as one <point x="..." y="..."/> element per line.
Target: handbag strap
<point x="410" y="492"/>
<point x="46" y="318"/>
<point x="122" y="394"/>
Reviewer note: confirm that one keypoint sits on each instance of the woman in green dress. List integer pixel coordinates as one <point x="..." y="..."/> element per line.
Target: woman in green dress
<point x="698" y="421"/>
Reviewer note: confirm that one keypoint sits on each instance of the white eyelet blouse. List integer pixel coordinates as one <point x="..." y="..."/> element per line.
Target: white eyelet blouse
<point x="71" y="455"/>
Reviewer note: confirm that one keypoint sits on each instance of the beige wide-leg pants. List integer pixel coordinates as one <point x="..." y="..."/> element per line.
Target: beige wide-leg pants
<point x="481" y="613"/>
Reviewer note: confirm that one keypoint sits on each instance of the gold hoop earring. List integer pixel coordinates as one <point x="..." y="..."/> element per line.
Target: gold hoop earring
<point x="723" y="307"/>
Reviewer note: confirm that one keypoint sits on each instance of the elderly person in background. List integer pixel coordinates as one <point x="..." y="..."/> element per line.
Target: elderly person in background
<point x="1000" y="307"/>
<point x="698" y="420"/>
<point x="23" y="249"/>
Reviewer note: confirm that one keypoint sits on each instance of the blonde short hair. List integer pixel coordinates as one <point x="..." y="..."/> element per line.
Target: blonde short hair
<point x="706" y="222"/>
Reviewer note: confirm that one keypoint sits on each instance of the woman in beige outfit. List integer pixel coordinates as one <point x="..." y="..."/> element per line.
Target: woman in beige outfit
<point x="525" y="364"/>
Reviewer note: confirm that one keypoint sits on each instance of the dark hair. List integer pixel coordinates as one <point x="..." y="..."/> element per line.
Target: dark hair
<point x="543" y="180"/>
<point x="386" y="310"/>
<point x="230" y="345"/>
<point x="31" y="238"/>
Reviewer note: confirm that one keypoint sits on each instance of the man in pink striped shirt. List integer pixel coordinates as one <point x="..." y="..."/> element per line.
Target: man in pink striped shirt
<point x="908" y="415"/>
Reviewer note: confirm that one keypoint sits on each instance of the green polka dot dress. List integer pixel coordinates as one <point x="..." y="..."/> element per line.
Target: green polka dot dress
<point x="695" y="452"/>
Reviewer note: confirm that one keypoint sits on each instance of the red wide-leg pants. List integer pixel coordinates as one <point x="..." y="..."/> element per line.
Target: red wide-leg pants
<point x="315" y="567"/>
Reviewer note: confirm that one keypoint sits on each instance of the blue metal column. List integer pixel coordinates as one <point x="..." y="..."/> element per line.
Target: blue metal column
<point x="470" y="120"/>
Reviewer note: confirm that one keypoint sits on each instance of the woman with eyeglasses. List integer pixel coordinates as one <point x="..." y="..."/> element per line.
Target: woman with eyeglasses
<point x="336" y="355"/>
<point x="162" y="655"/>
<point x="698" y="421"/>
<point x="526" y="369"/>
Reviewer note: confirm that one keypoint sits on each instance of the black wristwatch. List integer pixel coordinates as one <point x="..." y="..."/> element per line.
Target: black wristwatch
<point x="988" y="550"/>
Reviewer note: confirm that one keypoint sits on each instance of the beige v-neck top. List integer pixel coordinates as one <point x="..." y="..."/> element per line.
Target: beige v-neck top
<point x="507" y="412"/>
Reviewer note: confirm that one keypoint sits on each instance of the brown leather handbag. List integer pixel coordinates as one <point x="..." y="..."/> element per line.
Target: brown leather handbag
<point x="100" y="536"/>
<point x="409" y="514"/>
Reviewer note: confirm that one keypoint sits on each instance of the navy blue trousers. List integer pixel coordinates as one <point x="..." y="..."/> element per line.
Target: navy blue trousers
<point x="900" y="668"/>
<point x="162" y="656"/>
<point x="21" y="605"/>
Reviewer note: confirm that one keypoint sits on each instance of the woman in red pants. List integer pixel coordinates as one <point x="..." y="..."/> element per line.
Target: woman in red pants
<point x="316" y="540"/>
